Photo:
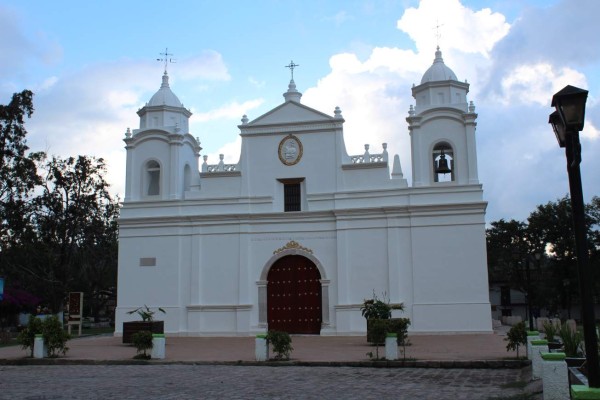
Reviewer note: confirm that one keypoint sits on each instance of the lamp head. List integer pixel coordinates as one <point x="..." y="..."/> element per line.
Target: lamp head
<point x="570" y="104"/>
<point x="558" y="127"/>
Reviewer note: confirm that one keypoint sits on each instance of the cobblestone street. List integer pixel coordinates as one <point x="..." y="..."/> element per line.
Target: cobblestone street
<point x="248" y="382"/>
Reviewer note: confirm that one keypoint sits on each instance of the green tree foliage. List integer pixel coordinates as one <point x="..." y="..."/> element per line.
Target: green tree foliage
<point x="59" y="229"/>
<point x="18" y="171"/>
<point x="548" y="231"/>
<point x="516" y="337"/>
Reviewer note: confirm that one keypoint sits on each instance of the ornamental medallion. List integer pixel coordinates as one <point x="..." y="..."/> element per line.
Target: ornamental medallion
<point x="290" y="150"/>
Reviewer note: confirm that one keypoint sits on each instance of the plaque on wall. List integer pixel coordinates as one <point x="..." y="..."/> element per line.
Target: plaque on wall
<point x="290" y="150"/>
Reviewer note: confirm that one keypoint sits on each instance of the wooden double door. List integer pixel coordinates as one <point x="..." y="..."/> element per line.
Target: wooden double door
<point x="294" y="296"/>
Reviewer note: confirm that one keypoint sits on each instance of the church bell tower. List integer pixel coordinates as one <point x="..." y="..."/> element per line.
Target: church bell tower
<point x="442" y="129"/>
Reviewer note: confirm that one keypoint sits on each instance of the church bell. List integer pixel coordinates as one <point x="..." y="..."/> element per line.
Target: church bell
<point x="442" y="165"/>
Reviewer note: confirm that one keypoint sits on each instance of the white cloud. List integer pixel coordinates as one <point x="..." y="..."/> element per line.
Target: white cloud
<point x="460" y="27"/>
<point x="537" y="83"/>
<point x="231" y="110"/>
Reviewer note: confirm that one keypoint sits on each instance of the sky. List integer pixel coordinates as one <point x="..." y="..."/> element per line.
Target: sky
<point x="92" y="65"/>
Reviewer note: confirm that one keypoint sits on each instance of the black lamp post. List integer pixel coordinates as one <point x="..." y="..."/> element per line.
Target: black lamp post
<point x="567" y="122"/>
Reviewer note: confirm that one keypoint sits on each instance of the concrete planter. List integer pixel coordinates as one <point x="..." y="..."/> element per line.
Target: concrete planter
<point x="555" y="379"/>
<point x="391" y="346"/>
<point x="537" y="347"/>
<point x="261" y="348"/>
<point x="129" y="328"/>
<point x="158" y="346"/>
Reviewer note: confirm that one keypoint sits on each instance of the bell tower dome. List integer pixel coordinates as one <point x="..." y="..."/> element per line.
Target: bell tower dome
<point x="442" y="129"/>
<point x="162" y="156"/>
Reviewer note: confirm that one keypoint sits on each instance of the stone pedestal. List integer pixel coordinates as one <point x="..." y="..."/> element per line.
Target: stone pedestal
<point x="39" y="348"/>
<point x="158" y="346"/>
<point x="537" y="347"/>
<point x="261" y="348"/>
<point x="555" y="376"/>
<point x="531" y="335"/>
<point x="391" y="346"/>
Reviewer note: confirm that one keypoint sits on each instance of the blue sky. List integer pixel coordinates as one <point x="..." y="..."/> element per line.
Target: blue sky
<point x="93" y="64"/>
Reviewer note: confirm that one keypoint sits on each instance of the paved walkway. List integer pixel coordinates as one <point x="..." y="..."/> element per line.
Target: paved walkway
<point x="337" y="349"/>
<point x="224" y="368"/>
<point x="171" y="381"/>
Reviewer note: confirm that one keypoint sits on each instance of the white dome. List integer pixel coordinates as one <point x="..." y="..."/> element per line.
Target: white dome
<point x="164" y="96"/>
<point x="438" y="71"/>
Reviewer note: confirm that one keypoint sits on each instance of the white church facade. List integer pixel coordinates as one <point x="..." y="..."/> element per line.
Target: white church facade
<point x="296" y="234"/>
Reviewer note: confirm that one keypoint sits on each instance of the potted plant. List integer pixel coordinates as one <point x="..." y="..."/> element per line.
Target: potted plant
<point x="380" y="309"/>
<point x="146" y="324"/>
<point x="572" y="340"/>
<point x="550" y="331"/>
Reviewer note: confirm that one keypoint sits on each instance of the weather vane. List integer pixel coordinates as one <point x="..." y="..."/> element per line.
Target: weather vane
<point x="291" y="67"/>
<point x="438" y="35"/>
<point x="166" y="58"/>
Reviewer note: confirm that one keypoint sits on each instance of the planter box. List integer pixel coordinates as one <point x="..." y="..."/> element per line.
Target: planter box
<point x="129" y="328"/>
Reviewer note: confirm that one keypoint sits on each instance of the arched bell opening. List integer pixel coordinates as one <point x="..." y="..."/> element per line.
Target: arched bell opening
<point x="443" y="163"/>
<point x="152" y="178"/>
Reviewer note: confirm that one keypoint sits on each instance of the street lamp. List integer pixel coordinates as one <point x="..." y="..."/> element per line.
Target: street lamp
<point x="567" y="121"/>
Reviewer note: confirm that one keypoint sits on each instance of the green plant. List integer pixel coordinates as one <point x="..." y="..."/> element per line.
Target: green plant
<point x="142" y="341"/>
<point x="550" y="331"/>
<point x="376" y="308"/>
<point x="517" y="335"/>
<point x="379" y="328"/>
<point x="26" y="337"/>
<point x="145" y="313"/>
<point x="282" y="344"/>
<point x="399" y="326"/>
<point x="55" y="337"/>
<point x="572" y="340"/>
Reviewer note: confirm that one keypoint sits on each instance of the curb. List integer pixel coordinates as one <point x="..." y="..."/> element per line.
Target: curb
<point x="441" y="364"/>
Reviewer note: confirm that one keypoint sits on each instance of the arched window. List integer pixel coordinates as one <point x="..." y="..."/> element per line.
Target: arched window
<point x="443" y="163"/>
<point x="153" y="178"/>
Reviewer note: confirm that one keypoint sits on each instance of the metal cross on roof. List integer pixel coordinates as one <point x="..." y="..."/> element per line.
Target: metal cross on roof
<point x="166" y="58"/>
<point x="291" y="67"/>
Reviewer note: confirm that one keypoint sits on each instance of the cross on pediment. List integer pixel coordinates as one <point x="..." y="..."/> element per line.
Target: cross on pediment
<point x="291" y="66"/>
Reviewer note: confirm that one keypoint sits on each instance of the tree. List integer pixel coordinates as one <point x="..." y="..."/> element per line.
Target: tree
<point x="548" y="231"/>
<point x="18" y="171"/>
<point x="76" y="226"/>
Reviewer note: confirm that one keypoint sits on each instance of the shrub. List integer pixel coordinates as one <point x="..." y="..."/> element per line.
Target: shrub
<point x="376" y="308"/>
<point x="142" y="341"/>
<point x="571" y="341"/>
<point x="282" y="344"/>
<point x="550" y="331"/>
<point x="145" y="313"/>
<point x="517" y="335"/>
<point x="26" y="337"/>
<point x="55" y="337"/>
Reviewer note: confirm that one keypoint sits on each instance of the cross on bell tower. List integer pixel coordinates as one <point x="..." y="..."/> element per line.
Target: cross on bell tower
<point x="166" y="58"/>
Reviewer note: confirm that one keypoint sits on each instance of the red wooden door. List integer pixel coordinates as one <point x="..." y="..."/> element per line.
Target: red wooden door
<point x="294" y="296"/>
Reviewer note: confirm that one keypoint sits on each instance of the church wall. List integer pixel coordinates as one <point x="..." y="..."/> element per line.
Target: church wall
<point x="317" y="164"/>
<point x="150" y="266"/>
<point x="450" y="276"/>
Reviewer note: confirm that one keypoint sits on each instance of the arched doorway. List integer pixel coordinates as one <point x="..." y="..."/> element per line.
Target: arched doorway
<point x="294" y="296"/>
